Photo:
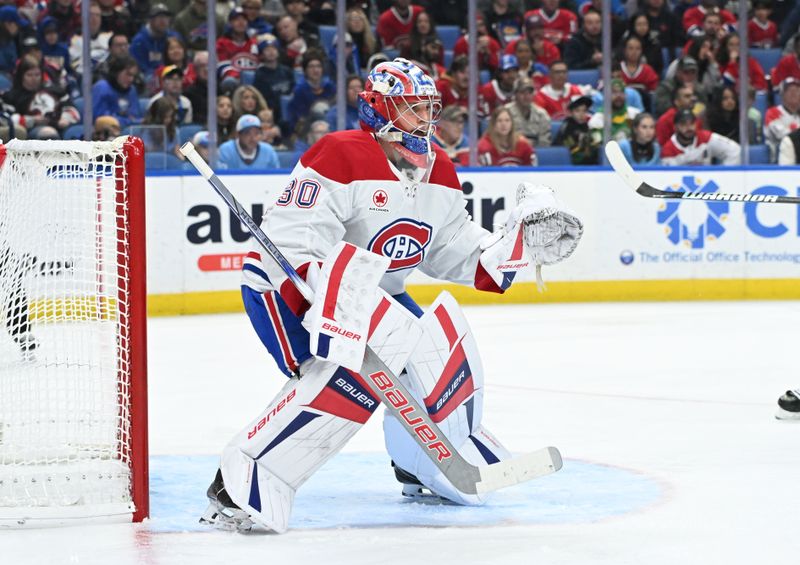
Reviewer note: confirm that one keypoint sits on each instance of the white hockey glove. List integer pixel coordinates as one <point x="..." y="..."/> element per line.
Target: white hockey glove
<point x="551" y="230"/>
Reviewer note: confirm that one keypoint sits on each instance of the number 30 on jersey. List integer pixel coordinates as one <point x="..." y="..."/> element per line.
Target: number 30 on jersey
<point x="303" y="193"/>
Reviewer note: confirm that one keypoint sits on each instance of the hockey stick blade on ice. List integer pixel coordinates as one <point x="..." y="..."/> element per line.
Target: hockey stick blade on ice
<point x="632" y="178"/>
<point x="466" y="477"/>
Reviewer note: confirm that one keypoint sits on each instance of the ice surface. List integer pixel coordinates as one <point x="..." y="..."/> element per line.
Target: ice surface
<point x="663" y="412"/>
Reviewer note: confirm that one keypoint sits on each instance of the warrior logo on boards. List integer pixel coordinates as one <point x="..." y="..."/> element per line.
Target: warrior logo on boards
<point x="404" y="242"/>
<point x="692" y="223"/>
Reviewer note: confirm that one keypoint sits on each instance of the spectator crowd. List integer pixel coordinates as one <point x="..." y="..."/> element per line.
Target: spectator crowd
<point x="674" y="78"/>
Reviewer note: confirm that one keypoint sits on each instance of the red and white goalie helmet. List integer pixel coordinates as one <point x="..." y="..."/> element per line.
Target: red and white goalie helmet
<point x="400" y="103"/>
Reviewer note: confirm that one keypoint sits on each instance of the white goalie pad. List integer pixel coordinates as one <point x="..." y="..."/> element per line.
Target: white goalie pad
<point x="309" y="421"/>
<point x="345" y="297"/>
<point x="446" y="375"/>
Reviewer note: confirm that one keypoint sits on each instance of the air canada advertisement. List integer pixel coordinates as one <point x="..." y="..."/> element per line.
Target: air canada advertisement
<point x="195" y="244"/>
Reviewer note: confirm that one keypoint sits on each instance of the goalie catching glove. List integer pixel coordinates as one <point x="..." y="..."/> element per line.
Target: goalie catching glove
<point x="551" y="230"/>
<point x="541" y="225"/>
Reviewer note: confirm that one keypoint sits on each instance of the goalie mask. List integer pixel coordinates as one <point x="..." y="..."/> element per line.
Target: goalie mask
<point x="400" y="104"/>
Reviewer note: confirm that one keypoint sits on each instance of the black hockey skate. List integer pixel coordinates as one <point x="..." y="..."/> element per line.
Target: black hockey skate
<point x="789" y="406"/>
<point x="222" y="512"/>
<point x="414" y="489"/>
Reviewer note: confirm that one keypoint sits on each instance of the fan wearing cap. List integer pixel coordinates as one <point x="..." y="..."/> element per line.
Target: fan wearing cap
<point x="148" y="45"/>
<point x="247" y="151"/>
<point x="172" y="90"/>
<point x="783" y="118"/>
<point x="106" y="128"/>
<point x="489" y="49"/>
<point x="272" y="79"/>
<point x="499" y="90"/>
<point x="430" y="57"/>
<point x="559" y="24"/>
<point x="352" y="58"/>
<point x="690" y="145"/>
<point x="685" y="70"/>
<point x="556" y="96"/>
<point x="450" y="136"/>
<point x="54" y="52"/>
<point x="200" y="140"/>
<point x="531" y="121"/>
<point x="236" y="50"/>
<point x="574" y="133"/>
<point x="622" y="115"/>
<point x="98" y="43"/>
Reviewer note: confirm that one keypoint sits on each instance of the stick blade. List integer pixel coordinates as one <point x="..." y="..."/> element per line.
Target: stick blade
<point x="620" y="164"/>
<point x="519" y="469"/>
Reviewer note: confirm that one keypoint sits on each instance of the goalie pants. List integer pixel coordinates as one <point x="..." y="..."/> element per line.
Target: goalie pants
<point x="281" y="331"/>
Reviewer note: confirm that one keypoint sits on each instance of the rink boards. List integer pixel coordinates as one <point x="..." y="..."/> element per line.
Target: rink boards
<point x="633" y="248"/>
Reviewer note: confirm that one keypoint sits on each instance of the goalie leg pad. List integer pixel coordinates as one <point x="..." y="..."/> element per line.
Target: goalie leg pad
<point x="305" y="425"/>
<point x="445" y="374"/>
<point x="309" y="421"/>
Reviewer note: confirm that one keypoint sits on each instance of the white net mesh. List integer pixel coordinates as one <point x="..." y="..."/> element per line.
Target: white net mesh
<point x="64" y="368"/>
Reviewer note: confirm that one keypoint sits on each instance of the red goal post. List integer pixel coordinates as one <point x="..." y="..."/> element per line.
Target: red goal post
<point x="73" y="341"/>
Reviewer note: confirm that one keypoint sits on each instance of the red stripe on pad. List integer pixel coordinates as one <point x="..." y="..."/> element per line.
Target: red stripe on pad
<point x="454" y="401"/>
<point x="277" y="323"/>
<point x="337" y="272"/>
<point x="292" y="297"/>
<point x="332" y="402"/>
<point x="516" y="255"/>
<point x="447" y="325"/>
<point x="484" y="281"/>
<point x="465" y="390"/>
<point x="377" y="316"/>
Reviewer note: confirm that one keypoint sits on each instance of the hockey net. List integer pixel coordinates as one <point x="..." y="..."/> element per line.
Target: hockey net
<point x="73" y="420"/>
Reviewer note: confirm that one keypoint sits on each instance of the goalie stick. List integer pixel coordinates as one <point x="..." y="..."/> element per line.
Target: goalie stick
<point x="466" y="477"/>
<point x="624" y="169"/>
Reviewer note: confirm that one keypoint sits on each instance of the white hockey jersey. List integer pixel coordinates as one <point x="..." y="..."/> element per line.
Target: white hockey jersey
<point x="344" y="188"/>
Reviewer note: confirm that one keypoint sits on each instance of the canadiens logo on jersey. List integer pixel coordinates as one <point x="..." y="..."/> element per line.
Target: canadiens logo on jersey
<point x="404" y="242"/>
